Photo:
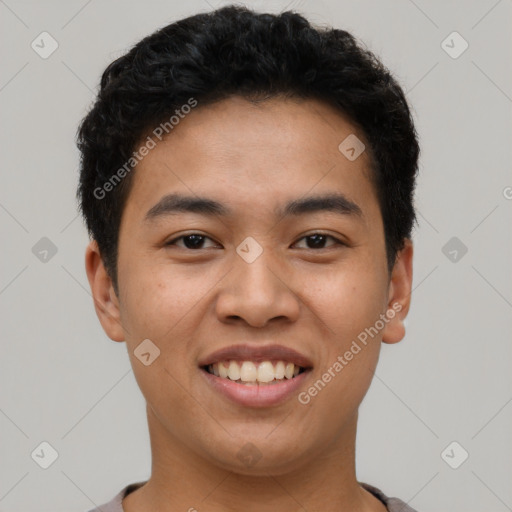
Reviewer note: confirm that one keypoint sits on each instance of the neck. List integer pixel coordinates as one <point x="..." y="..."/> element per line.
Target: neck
<point x="183" y="480"/>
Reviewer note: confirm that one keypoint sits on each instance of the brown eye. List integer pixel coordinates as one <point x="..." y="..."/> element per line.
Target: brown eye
<point x="192" y="241"/>
<point x="318" y="240"/>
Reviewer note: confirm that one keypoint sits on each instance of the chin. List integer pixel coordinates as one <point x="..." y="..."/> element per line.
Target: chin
<point x="259" y="455"/>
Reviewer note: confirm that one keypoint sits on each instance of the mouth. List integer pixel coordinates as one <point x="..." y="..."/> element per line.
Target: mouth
<point x="255" y="373"/>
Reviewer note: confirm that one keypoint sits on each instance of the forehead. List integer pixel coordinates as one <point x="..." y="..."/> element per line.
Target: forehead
<point x="258" y="155"/>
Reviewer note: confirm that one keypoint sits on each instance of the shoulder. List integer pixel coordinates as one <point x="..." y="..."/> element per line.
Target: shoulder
<point x="116" y="503"/>
<point x="392" y="504"/>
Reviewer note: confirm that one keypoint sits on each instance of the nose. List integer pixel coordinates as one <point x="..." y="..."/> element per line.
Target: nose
<point x="257" y="293"/>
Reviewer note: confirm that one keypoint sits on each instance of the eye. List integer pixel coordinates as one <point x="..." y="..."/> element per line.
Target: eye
<point x="317" y="240"/>
<point x="195" y="241"/>
<point x="191" y="241"/>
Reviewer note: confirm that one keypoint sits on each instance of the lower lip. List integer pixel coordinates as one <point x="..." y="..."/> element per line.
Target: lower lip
<point x="255" y="395"/>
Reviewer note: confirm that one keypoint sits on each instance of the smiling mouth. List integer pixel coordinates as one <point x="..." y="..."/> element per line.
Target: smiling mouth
<point x="251" y="373"/>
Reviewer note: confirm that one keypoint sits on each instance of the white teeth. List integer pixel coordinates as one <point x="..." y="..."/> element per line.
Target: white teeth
<point x="280" y="370"/>
<point x="233" y="370"/>
<point x="223" y="370"/>
<point x="251" y="373"/>
<point x="288" y="371"/>
<point x="248" y="372"/>
<point x="266" y="372"/>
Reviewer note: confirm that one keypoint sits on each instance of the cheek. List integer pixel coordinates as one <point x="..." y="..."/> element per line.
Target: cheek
<point x="157" y="296"/>
<point x="159" y="307"/>
<point x="337" y="394"/>
<point x="350" y="302"/>
<point x="164" y="303"/>
<point x="349" y="354"/>
<point x="347" y="300"/>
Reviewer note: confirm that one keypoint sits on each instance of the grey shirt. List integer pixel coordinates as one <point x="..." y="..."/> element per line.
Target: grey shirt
<point x="115" y="505"/>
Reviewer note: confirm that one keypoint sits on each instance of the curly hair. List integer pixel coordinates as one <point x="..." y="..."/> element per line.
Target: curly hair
<point x="236" y="51"/>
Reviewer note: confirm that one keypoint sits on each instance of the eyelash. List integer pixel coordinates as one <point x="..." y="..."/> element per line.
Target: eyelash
<point x="338" y="242"/>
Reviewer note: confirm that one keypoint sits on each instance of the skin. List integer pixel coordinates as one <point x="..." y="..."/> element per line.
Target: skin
<point x="191" y="302"/>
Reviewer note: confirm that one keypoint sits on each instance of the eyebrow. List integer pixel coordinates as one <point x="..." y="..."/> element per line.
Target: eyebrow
<point x="172" y="204"/>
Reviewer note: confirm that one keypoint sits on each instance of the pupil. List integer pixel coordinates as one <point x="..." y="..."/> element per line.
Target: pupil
<point x="318" y="240"/>
<point x="197" y="241"/>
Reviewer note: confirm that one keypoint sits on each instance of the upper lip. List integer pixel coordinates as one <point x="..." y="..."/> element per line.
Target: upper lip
<point x="257" y="353"/>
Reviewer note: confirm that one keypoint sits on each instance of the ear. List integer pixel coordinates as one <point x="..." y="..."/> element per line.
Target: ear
<point x="399" y="296"/>
<point x="106" y="302"/>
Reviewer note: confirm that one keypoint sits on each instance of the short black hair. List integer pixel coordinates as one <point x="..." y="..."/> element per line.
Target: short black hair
<point x="236" y="51"/>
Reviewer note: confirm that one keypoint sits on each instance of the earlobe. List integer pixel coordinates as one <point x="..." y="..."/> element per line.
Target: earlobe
<point x="399" y="298"/>
<point x="105" y="299"/>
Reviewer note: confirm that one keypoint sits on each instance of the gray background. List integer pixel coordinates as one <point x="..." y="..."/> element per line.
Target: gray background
<point x="63" y="381"/>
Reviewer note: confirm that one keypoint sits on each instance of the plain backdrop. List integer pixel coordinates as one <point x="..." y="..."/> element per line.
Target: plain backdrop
<point x="63" y="382"/>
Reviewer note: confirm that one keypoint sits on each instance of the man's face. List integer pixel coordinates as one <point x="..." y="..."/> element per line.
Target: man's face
<point x="320" y="280"/>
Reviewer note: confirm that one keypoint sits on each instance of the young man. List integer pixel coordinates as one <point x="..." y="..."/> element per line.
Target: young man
<point x="247" y="181"/>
